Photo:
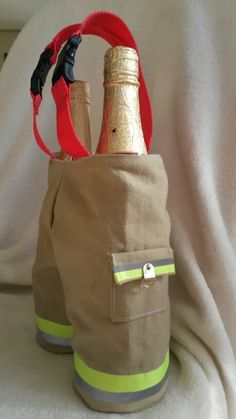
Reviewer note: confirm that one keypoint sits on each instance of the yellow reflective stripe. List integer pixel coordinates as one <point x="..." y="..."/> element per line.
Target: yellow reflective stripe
<point x="121" y="383"/>
<point x="128" y="275"/>
<point x="132" y="274"/>
<point x="54" y="329"/>
<point x="165" y="270"/>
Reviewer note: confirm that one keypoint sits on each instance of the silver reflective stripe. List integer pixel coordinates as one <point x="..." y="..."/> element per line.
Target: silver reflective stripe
<point x="111" y="397"/>
<point x="139" y="265"/>
<point x="53" y="339"/>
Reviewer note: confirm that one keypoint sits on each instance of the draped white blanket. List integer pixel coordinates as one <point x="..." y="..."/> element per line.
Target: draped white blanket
<point x="188" y="55"/>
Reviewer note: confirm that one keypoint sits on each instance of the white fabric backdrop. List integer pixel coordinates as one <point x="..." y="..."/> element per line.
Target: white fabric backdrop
<point x="188" y="54"/>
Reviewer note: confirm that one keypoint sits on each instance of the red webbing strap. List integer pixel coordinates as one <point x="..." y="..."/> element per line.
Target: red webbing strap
<point x="36" y="104"/>
<point x="65" y="127"/>
<point x="111" y="28"/>
<point x="62" y="36"/>
<point x="55" y="45"/>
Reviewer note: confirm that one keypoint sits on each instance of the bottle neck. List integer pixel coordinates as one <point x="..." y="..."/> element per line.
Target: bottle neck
<point x="121" y="131"/>
<point x="80" y="111"/>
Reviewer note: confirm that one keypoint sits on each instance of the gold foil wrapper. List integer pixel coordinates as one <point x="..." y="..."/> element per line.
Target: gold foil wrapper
<point x="121" y="65"/>
<point x="121" y="131"/>
<point x="80" y="114"/>
<point x="80" y="92"/>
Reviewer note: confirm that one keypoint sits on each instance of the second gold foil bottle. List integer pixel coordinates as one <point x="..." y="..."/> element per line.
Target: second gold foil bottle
<point x="80" y="114"/>
<point x="121" y="131"/>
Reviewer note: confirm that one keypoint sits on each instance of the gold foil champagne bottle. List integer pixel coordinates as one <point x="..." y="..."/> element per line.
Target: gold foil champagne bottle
<point x="80" y="114"/>
<point x="121" y="131"/>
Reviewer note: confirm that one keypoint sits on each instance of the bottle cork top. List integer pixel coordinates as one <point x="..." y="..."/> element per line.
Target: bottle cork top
<point x="121" y="65"/>
<point x="80" y="91"/>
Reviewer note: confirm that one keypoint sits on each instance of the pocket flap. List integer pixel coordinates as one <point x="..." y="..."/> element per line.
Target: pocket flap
<point x="142" y="264"/>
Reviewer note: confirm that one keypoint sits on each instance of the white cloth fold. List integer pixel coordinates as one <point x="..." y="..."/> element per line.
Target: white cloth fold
<point x="188" y="56"/>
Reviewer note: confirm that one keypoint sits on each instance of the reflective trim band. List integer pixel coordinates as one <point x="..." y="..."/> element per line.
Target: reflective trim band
<point x="55" y="340"/>
<point x="126" y="273"/>
<point x="111" y="397"/>
<point x="54" y="329"/>
<point x="120" y="383"/>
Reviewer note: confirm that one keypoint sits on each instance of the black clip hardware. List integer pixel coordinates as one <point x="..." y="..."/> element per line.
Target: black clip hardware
<point x="66" y="60"/>
<point x="41" y="71"/>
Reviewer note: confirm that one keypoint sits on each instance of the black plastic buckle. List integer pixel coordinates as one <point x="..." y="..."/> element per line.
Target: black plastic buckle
<point x="66" y="60"/>
<point x="41" y="71"/>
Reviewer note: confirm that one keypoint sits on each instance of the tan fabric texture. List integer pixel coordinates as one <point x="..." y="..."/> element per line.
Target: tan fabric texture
<point x="47" y="288"/>
<point x="109" y="204"/>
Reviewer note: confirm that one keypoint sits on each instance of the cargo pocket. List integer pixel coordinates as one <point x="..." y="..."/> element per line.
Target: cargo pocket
<point x="140" y="283"/>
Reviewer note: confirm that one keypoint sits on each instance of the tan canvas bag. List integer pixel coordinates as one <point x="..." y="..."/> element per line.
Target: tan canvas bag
<point x="109" y="230"/>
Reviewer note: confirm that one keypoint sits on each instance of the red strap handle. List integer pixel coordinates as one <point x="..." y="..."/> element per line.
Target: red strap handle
<point x="111" y="28"/>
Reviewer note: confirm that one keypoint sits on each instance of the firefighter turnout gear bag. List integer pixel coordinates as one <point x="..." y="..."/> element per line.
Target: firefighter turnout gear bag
<point x="100" y="278"/>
